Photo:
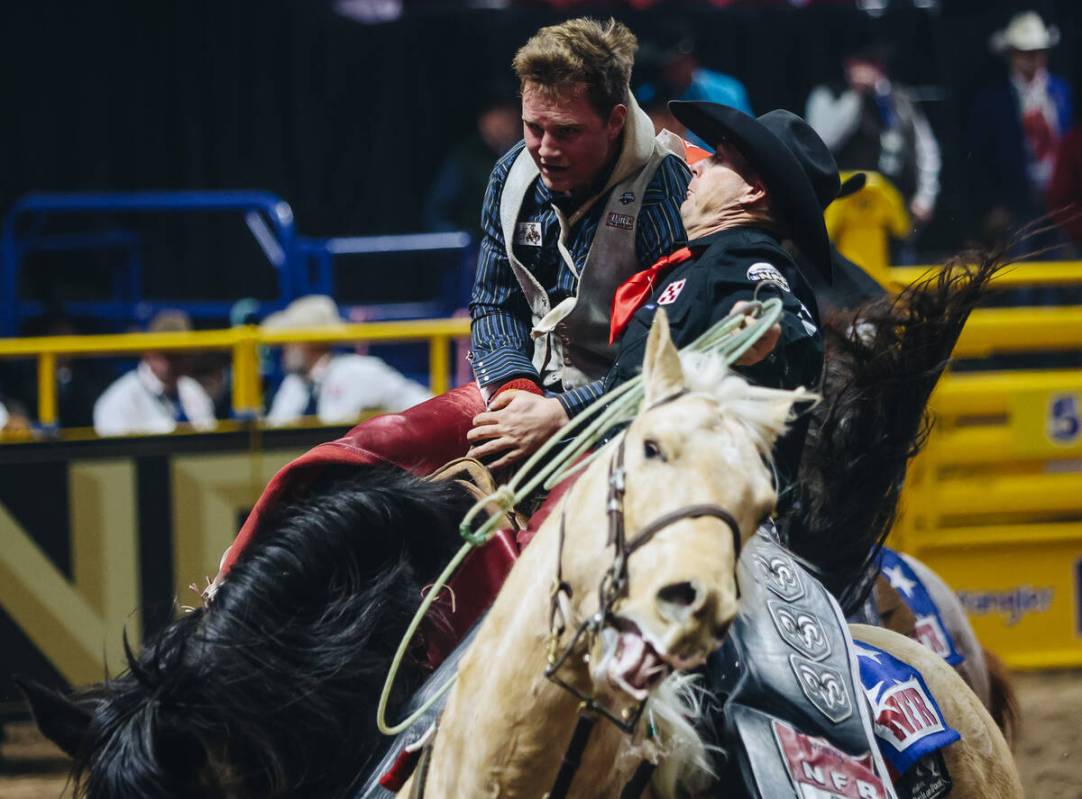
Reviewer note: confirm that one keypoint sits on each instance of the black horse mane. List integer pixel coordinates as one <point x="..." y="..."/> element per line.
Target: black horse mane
<point x="271" y="690"/>
<point x="882" y="361"/>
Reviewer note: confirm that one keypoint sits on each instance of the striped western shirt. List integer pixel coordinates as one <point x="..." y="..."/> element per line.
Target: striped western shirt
<point x="501" y="347"/>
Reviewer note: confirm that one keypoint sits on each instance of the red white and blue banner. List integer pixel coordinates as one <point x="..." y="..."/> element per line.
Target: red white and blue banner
<point x="907" y="720"/>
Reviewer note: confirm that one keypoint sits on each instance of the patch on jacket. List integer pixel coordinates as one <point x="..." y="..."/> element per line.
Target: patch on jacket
<point x="671" y="292"/>
<point x="528" y="233"/>
<point x="764" y="271"/>
<point x="622" y="221"/>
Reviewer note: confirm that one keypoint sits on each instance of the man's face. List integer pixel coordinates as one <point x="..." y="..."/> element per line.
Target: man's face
<point x="568" y="140"/>
<point x="719" y="184"/>
<point x="499" y="127"/>
<point x="167" y="367"/>
<point x="294" y="359"/>
<point x="863" y="74"/>
<point x="1028" y="63"/>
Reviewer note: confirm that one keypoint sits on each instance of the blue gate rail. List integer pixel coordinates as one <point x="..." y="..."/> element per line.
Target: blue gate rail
<point x="304" y="265"/>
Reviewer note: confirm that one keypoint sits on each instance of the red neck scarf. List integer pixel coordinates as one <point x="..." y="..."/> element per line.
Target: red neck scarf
<point x="634" y="291"/>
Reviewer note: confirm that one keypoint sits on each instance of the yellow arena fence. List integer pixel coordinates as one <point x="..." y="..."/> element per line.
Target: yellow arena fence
<point x="243" y="343"/>
<point x="994" y="503"/>
<point x="93" y="529"/>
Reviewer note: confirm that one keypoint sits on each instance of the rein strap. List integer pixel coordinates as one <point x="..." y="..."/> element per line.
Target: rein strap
<point x="573" y="756"/>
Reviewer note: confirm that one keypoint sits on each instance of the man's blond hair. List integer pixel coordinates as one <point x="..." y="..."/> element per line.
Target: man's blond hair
<point x="581" y="51"/>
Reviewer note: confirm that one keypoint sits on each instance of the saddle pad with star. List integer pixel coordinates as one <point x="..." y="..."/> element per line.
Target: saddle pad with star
<point x="907" y="720"/>
<point x="930" y="629"/>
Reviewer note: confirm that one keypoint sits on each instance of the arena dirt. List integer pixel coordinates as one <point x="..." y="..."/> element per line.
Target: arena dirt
<point x="1049" y="753"/>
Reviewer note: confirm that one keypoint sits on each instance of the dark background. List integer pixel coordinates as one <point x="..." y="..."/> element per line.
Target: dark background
<point x="349" y="122"/>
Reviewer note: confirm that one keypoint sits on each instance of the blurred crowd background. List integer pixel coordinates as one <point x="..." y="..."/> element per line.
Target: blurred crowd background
<point x="385" y="117"/>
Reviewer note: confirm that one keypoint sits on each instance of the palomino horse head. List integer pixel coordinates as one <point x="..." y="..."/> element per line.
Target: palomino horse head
<point x="697" y="483"/>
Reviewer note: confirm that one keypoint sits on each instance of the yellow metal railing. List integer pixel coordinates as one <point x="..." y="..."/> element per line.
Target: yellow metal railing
<point x="243" y="343"/>
<point x="994" y="501"/>
<point x="1022" y="274"/>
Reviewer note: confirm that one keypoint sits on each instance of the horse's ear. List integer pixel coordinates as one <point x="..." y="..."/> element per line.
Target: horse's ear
<point x="61" y="720"/>
<point x="662" y="375"/>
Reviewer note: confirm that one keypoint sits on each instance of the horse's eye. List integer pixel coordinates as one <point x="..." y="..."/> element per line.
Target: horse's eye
<point x="651" y="449"/>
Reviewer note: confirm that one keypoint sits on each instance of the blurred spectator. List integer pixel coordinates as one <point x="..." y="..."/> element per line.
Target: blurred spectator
<point x="1065" y="189"/>
<point x="870" y="122"/>
<point x="336" y="387"/>
<point x="158" y="394"/>
<point x="14" y="422"/>
<point x="658" y="111"/>
<point x="79" y="381"/>
<point x="212" y="371"/>
<point x="1015" y="127"/>
<point x="454" y="200"/>
<point x="672" y="70"/>
<point x="12" y="418"/>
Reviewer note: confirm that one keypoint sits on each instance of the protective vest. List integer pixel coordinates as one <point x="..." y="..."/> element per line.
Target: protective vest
<point x="571" y="340"/>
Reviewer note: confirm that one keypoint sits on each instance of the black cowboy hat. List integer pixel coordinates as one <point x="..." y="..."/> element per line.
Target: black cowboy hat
<point x="797" y="167"/>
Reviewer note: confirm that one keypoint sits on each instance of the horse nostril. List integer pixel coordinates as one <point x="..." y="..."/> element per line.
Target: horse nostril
<point x="677" y="601"/>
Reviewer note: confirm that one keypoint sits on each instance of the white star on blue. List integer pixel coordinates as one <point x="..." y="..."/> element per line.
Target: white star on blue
<point x="899" y="581"/>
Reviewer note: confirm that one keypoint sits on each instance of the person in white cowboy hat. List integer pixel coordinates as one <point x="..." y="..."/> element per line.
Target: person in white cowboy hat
<point x="159" y="393"/>
<point x="336" y="387"/>
<point x="1016" y="126"/>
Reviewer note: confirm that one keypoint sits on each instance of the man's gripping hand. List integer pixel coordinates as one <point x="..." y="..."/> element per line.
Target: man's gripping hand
<point x="766" y="342"/>
<point x="514" y="426"/>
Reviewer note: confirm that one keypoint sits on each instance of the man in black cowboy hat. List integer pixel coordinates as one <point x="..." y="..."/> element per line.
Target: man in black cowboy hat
<point x="768" y="180"/>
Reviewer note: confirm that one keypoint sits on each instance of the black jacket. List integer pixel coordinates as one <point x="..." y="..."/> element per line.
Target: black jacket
<point x="728" y="266"/>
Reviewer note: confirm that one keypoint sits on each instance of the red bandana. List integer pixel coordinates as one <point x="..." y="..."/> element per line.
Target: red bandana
<point x="634" y="291"/>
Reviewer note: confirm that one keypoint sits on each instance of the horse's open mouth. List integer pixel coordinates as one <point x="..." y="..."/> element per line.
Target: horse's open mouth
<point x="635" y="666"/>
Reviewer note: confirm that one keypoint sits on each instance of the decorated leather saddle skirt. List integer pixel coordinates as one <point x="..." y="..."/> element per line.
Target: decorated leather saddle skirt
<point x="809" y="712"/>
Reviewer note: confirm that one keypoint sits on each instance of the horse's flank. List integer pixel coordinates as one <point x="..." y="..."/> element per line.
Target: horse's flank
<point x="980" y="764"/>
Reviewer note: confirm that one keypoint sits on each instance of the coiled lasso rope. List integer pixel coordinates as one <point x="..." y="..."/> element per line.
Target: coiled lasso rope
<point x="728" y="338"/>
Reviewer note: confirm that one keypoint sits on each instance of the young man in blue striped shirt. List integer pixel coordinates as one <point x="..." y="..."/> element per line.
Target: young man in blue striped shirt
<point x="586" y="200"/>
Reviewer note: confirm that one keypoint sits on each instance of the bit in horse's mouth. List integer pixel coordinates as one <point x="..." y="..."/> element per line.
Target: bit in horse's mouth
<point x="635" y="666"/>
